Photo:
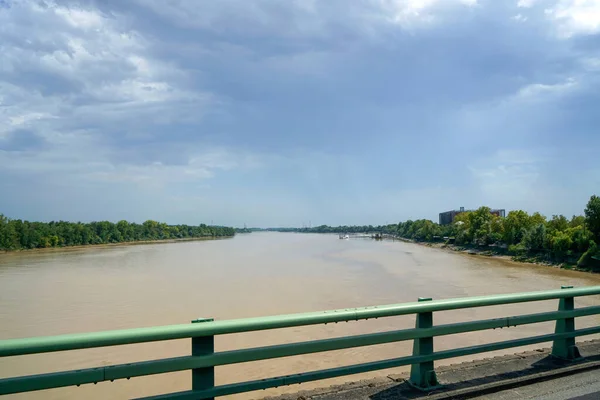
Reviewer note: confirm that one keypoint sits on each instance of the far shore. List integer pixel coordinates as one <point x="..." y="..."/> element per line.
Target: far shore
<point x="62" y="249"/>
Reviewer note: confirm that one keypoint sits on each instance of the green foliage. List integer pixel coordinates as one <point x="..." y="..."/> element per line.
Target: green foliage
<point x="340" y="229"/>
<point x="577" y="220"/>
<point x="517" y="249"/>
<point x="420" y="230"/>
<point x="537" y="219"/>
<point x="426" y="230"/>
<point x="561" y="243"/>
<point x="526" y="236"/>
<point x="558" y="223"/>
<point x="481" y="226"/>
<point x="516" y="224"/>
<point x="581" y="238"/>
<point x="534" y="238"/>
<point x="17" y="234"/>
<point x="586" y="257"/>
<point x="462" y="228"/>
<point x="592" y="217"/>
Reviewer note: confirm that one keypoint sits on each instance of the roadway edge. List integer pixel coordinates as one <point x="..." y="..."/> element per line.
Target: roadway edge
<point x="462" y="380"/>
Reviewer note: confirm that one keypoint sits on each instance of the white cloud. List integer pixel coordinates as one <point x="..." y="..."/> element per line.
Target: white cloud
<point x="87" y="49"/>
<point x="79" y="158"/>
<point x="569" y="17"/>
<point x="576" y="17"/>
<point x="21" y="108"/>
<point x="82" y="19"/>
<point x="526" y="3"/>
<point x="90" y="75"/>
<point x="23" y="119"/>
<point x="410" y="12"/>
<point x="541" y="90"/>
<point x="520" y="18"/>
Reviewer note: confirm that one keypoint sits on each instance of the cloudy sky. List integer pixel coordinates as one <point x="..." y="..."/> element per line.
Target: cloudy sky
<point x="277" y="113"/>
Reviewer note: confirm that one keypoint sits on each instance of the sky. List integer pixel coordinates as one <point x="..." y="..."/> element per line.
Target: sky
<point x="284" y="113"/>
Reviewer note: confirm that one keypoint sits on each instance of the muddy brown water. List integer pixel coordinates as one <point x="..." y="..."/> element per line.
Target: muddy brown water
<point x="251" y="275"/>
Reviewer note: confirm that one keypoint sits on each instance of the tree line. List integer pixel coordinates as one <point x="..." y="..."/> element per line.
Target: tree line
<point x="520" y="234"/>
<point x="16" y="234"/>
<point x="334" y="229"/>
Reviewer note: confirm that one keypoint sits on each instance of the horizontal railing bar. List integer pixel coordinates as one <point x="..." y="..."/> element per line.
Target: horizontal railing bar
<point x="292" y="349"/>
<point x="50" y="381"/>
<point x="14" y="347"/>
<point x="268" y="383"/>
<point x="340" y="343"/>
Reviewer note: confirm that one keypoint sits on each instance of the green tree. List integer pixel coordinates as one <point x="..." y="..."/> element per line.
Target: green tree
<point x="592" y="217"/>
<point x="536" y="219"/>
<point x="558" y="223"/>
<point x="581" y="238"/>
<point x="462" y="228"/>
<point x="561" y="243"/>
<point x="577" y="220"/>
<point x="125" y="230"/>
<point x="515" y="225"/>
<point x="480" y="228"/>
<point x="497" y="226"/>
<point x="587" y="256"/>
<point x="9" y="239"/>
<point x="535" y="238"/>
<point x="426" y="230"/>
<point x="17" y="234"/>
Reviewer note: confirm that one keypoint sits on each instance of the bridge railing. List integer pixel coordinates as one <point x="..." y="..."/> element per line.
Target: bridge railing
<point x="204" y="359"/>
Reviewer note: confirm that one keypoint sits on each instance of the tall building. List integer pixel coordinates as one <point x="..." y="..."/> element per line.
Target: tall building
<point x="447" y="217"/>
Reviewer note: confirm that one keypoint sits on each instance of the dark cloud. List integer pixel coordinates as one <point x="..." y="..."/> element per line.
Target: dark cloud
<point x="22" y="140"/>
<point x="326" y="97"/>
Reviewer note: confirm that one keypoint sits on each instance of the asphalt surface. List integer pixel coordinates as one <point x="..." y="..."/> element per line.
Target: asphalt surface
<point x="580" y="386"/>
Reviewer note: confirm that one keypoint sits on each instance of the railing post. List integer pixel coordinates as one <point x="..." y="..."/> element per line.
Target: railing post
<point x="203" y="378"/>
<point x="565" y="348"/>
<point x="422" y="375"/>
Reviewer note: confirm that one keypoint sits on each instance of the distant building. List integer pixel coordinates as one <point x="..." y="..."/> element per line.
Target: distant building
<point x="499" y="212"/>
<point x="447" y="217"/>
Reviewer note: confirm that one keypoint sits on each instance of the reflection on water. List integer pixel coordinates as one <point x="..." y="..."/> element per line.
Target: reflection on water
<point x="250" y="275"/>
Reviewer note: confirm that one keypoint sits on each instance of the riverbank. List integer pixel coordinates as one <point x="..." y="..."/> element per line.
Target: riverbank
<point x="493" y="253"/>
<point x="62" y="249"/>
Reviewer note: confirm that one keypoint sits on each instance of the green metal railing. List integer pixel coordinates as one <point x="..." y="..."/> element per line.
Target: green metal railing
<point x="204" y="359"/>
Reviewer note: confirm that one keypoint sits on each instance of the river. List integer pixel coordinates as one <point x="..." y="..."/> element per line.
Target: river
<point x="259" y="274"/>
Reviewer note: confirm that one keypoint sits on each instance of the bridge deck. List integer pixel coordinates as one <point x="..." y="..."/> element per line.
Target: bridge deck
<point x="476" y="379"/>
